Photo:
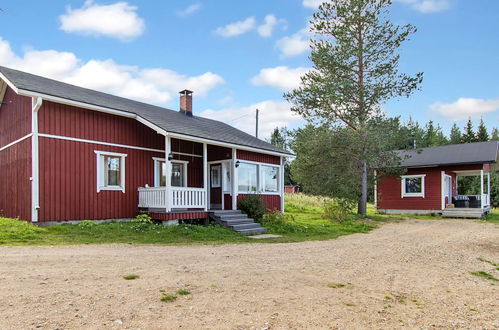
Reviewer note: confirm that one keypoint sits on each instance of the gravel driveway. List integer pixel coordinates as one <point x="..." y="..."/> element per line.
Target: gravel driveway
<point x="415" y="273"/>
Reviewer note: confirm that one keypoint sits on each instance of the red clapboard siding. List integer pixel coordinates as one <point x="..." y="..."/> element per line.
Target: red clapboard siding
<point x="272" y="202"/>
<point x="218" y="153"/>
<point x="390" y="194"/>
<point x="68" y="182"/>
<point x="69" y="121"/>
<point x="15" y="183"/>
<point x="15" y="117"/>
<point x="179" y="216"/>
<point x="258" y="157"/>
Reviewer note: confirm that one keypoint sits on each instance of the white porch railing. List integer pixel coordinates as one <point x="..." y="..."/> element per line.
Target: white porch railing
<point x="180" y="197"/>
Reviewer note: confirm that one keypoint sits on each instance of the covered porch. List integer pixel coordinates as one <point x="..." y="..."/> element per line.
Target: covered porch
<point x="466" y="192"/>
<point x="206" y="177"/>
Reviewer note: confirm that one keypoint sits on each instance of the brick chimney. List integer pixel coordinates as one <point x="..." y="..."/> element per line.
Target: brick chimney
<point x="186" y="102"/>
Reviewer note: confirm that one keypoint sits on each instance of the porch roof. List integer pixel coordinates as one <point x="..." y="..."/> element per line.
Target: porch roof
<point x="169" y="120"/>
<point x="455" y="154"/>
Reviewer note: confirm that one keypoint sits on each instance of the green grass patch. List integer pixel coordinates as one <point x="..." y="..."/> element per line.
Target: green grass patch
<point x="183" y="292"/>
<point x="168" y="298"/>
<point x="493" y="216"/>
<point x="336" y="285"/>
<point x="303" y="222"/>
<point x="131" y="277"/>
<point x="484" y="275"/>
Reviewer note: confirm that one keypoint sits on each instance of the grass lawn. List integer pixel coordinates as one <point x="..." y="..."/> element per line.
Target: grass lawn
<point x="303" y="222"/>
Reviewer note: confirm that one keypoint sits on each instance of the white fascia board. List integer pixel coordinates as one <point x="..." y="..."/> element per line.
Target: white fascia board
<point x="7" y="81"/>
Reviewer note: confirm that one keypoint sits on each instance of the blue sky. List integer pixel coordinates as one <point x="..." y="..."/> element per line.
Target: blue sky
<point x="239" y="56"/>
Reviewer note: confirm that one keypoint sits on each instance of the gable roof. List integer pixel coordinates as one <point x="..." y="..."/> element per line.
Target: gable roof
<point x="169" y="120"/>
<point x="454" y="154"/>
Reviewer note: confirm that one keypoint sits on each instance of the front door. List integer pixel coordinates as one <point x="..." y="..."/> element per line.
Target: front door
<point x="215" y="177"/>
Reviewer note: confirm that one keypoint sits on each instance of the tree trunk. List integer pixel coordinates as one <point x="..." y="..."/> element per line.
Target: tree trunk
<point x="362" y="203"/>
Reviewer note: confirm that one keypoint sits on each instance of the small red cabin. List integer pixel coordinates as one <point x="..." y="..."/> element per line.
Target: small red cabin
<point x="70" y="153"/>
<point x="430" y="184"/>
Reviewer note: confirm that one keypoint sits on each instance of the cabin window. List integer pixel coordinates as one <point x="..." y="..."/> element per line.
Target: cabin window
<point x="110" y="171"/>
<point x="413" y="185"/>
<point x="178" y="175"/>
<point x="247" y="177"/>
<point x="269" y="178"/>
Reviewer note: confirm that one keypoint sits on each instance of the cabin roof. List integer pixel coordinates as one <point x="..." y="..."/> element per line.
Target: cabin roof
<point x="454" y="154"/>
<point x="170" y="120"/>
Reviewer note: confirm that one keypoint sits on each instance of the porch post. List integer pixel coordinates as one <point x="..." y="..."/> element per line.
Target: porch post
<point x="488" y="189"/>
<point x="281" y="182"/>
<point x="234" y="179"/>
<point x="205" y="175"/>
<point x="481" y="189"/>
<point x="168" y="165"/>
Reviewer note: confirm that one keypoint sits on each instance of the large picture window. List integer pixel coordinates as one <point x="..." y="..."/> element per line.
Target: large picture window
<point x="110" y="171"/>
<point x="413" y="185"/>
<point x="270" y="181"/>
<point x="247" y="178"/>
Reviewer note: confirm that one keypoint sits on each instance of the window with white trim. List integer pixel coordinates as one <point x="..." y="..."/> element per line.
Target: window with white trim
<point x="413" y="185"/>
<point x="269" y="178"/>
<point x="178" y="174"/>
<point x="247" y="177"/>
<point x="110" y="171"/>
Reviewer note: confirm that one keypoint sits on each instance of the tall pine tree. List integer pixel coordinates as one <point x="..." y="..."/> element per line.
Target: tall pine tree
<point x="495" y="134"/>
<point x="482" y="134"/>
<point x="469" y="134"/>
<point x="355" y="70"/>
<point x="455" y="134"/>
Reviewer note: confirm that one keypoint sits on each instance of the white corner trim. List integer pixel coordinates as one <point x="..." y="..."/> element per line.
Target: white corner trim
<point x="36" y="103"/>
<point x="10" y="84"/>
<point x="7" y="146"/>
<point x="421" y="194"/>
<point x="100" y="171"/>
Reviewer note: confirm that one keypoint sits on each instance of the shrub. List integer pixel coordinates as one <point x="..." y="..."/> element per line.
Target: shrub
<point x="143" y="218"/>
<point x="337" y="209"/>
<point x="277" y="218"/>
<point x="87" y="224"/>
<point x="253" y="206"/>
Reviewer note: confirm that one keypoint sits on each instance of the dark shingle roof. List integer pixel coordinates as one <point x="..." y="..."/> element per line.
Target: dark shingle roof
<point x="455" y="154"/>
<point x="169" y="120"/>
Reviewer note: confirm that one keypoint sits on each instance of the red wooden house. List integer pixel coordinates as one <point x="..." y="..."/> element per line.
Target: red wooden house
<point x="70" y="153"/>
<point x="431" y="182"/>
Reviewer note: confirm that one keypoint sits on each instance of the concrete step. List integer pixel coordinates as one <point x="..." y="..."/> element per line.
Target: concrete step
<point x="225" y="217"/>
<point x="225" y="212"/>
<point x="236" y="221"/>
<point x="245" y="226"/>
<point x="254" y="231"/>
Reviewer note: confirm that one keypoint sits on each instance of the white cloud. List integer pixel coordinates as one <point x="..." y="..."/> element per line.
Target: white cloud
<point x="295" y="44"/>
<point x="427" y="6"/>
<point x="272" y="114"/>
<point x="190" y="10"/>
<point x="465" y="108"/>
<point x="280" y="77"/>
<point x="119" y="20"/>
<point x="312" y="3"/>
<point x="151" y="85"/>
<point x="236" y="28"/>
<point x="270" y="22"/>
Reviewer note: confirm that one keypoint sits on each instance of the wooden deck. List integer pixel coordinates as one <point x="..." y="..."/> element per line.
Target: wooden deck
<point x="465" y="212"/>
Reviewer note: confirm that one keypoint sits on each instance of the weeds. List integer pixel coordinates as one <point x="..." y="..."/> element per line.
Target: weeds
<point x="168" y="298"/>
<point x="183" y="292"/>
<point x="490" y="262"/>
<point x="484" y="275"/>
<point x="131" y="277"/>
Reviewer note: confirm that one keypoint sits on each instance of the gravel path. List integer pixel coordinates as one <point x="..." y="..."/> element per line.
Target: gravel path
<point x="414" y="274"/>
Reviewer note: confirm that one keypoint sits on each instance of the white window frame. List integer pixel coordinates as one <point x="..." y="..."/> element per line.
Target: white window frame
<point x="226" y="183"/>
<point x="415" y="176"/>
<point x="100" y="171"/>
<point x="220" y="173"/>
<point x="157" y="162"/>
<point x="259" y="183"/>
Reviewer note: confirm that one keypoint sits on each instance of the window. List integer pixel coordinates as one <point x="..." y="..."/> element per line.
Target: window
<point x="270" y="175"/>
<point x="110" y="171"/>
<point x="413" y="185"/>
<point x="215" y="176"/>
<point x="226" y="168"/>
<point x="178" y="175"/>
<point x="247" y="177"/>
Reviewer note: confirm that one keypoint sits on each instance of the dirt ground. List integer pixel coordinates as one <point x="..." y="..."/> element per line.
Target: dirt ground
<point x="412" y="274"/>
